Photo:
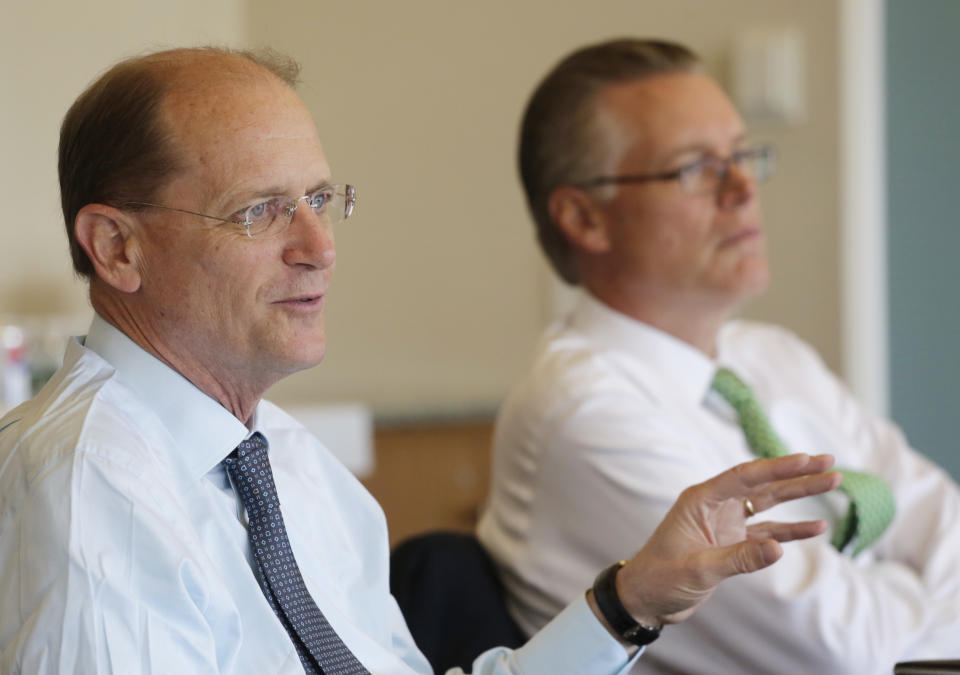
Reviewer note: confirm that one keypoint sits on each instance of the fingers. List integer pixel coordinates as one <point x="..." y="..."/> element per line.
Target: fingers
<point x="786" y="531"/>
<point x="701" y="540"/>
<point x="744" y="557"/>
<point x="766" y="496"/>
<point x="743" y="479"/>
<point x="761" y="471"/>
<point x="669" y="589"/>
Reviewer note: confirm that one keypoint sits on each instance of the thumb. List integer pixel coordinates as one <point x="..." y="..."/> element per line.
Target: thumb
<point x="717" y="564"/>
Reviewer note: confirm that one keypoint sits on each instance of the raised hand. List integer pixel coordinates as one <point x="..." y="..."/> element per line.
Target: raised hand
<point x="704" y="538"/>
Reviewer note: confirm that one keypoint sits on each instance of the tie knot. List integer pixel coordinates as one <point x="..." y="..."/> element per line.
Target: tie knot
<point x="760" y="436"/>
<point x="731" y="388"/>
<point x="250" y="461"/>
<point x="250" y="449"/>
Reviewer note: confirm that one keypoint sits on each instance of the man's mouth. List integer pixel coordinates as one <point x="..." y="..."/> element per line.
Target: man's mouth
<point x="301" y="301"/>
<point x="742" y="235"/>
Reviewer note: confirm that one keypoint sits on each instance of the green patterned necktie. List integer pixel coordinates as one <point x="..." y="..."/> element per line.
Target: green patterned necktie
<point x="871" y="501"/>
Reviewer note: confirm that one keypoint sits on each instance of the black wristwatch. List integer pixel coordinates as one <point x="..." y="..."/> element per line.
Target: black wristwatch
<point x="624" y="625"/>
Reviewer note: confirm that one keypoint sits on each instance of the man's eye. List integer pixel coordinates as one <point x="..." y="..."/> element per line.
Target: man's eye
<point x="319" y="199"/>
<point x="257" y="211"/>
<point x="694" y="167"/>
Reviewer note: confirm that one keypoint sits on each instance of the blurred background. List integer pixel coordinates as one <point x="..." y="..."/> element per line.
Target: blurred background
<point x="440" y="291"/>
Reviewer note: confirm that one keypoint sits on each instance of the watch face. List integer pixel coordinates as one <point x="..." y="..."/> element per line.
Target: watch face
<point x="641" y="635"/>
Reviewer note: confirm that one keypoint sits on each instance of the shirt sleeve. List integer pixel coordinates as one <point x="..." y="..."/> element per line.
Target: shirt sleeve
<point x="574" y="643"/>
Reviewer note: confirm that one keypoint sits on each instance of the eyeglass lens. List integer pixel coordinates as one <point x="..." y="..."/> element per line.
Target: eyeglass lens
<point x="331" y="205"/>
<point x="709" y="174"/>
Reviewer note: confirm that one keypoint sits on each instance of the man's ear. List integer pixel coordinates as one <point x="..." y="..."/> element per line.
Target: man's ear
<point x="577" y="216"/>
<point x="109" y="238"/>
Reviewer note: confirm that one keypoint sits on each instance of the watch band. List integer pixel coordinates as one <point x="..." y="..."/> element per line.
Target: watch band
<point x="624" y="625"/>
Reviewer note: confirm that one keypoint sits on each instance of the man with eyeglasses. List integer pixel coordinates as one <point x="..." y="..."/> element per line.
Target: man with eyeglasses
<point x="642" y="182"/>
<point x="158" y="516"/>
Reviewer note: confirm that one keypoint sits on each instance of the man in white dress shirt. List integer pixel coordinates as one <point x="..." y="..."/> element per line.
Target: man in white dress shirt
<point x="642" y="182"/>
<point x="199" y="204"/>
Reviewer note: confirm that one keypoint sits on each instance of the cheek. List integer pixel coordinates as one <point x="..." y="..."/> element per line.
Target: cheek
<point x="169" y="280"/>
<point x="679" y="234"/>
<point x="229" y="269"/>
<point x="209" y="280"/>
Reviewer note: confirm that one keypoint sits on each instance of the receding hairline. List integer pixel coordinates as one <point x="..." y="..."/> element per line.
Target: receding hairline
<point x="608" y="109"/>
<point x="187" y="75"/>
<point x="201" y="86"/>
<point x="189" y="67"/>
<point x="614" y="101"/>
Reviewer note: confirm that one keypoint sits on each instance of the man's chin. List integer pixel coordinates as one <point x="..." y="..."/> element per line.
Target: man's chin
<point x="298" y="355"/>
<point x="746" y="288"/>
<point x="307" y="360"/>
<point x="755" y="286"/>
<point x="753" y="278"/>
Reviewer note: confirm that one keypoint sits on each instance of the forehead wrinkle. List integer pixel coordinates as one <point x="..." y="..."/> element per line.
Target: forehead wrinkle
<point x="210" y="127"/>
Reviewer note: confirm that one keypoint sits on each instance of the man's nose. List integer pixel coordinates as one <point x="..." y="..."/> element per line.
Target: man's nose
<point x="738" y="187"/>
<point x="309" y="239"/>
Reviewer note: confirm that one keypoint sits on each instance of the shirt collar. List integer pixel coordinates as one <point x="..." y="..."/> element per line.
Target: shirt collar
<point x="205" y="430"/>
<point x="688" y="370"/>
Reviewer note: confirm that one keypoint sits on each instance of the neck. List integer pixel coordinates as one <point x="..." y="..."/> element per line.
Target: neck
<point x="694" y="320"/>
<point x="238" y="397"/>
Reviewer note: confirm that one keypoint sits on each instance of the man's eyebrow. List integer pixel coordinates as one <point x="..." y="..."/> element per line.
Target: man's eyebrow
<point x="273" y="191"/>
<point x="701" y="147"/>
<point x="278" y="191"/>
<point x="325" y="183"/>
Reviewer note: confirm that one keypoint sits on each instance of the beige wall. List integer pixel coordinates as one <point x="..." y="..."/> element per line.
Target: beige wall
<point x="50" y="51"/>
<point x="440" y="291"/>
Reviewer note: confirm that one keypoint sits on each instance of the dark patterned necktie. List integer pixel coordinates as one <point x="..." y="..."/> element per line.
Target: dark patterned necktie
<point x="319" y="647"/>
<point x="871" y="501"/>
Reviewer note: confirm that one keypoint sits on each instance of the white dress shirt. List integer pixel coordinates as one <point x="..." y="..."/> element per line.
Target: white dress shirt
<point x="123" y="546"/>
<point x="616" y="418"/>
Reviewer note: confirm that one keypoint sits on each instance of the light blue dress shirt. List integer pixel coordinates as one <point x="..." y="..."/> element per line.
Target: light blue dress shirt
<point x="123" y="546"/>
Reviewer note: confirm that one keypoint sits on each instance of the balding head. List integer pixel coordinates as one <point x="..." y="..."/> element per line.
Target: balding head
<point x="116" y="144"/>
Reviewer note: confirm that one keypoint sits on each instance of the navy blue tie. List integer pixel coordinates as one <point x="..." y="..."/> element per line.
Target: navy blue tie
<point x="319" y="647"/>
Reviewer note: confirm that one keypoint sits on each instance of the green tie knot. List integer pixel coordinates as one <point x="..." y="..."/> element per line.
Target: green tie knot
<point x="731" y="388"/>
<point x="760" y="435"/>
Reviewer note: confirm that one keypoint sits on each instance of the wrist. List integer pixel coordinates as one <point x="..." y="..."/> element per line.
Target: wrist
<point x="604" y="599"/>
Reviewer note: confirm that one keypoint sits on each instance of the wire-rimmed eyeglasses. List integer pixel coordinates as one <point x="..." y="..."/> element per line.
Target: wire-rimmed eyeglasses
<point x="331" y="203"/>
<point x="705" y="175"/>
